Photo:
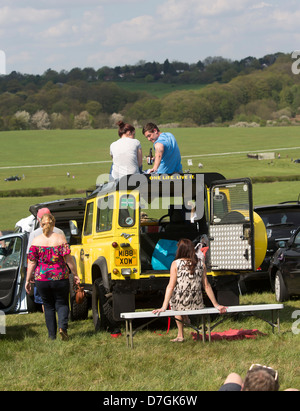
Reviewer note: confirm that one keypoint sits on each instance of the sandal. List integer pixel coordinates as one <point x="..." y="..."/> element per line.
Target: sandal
<point x="178" y="339"/>
<point x="63" y="334"/>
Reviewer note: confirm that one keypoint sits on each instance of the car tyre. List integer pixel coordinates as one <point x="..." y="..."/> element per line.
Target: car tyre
<point x="281" y="292"/>
<point x="102" y="308"/>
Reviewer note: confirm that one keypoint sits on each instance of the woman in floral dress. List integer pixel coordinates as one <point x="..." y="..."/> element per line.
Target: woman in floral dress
<point x="48" y="257"/>
<point x="184" y="291"/>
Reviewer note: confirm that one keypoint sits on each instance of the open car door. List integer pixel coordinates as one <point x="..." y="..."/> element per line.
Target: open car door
<point x="231" y="230"/>
<point x="12" y="254"/>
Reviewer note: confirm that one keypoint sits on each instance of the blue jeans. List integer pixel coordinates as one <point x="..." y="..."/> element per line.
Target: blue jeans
<point x="55" y="296"/>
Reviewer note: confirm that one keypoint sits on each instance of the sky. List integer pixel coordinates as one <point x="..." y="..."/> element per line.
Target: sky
<point x="36" y="35"/>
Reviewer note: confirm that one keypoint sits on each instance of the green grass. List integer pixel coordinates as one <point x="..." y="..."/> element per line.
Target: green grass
<point x="25" y="148"/>
<point x="158" y="89"/>
<point x="96" y="362"/>
<point x="92" y="361"/>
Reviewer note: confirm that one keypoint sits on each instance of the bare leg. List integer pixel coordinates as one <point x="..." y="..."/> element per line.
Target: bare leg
<point x="180" y="336"/>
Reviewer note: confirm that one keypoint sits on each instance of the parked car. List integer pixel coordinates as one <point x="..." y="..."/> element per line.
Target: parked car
<point x="13" y="178"/>
<point x="284" y="269"/>
<point x="281" y="221"/>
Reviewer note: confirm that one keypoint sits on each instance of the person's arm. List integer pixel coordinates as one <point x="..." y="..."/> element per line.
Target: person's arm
<point x="70" y="261"/>
<point x="159" y="151"/>
<point x="140" y="157"/>
<point x="29" y="277"/>
<point x="169" y="289"/>
<point x="211" y="294"/>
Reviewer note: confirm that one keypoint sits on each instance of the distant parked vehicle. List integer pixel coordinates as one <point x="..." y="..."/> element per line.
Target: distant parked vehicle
<point x="297" y="161"/>
<point x="284" y="269"/>
<point x="12" y="178"/>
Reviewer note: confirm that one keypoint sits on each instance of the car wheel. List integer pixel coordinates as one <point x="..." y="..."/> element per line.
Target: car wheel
<point x="281" y="292"/>
<point x="102" y="308"/>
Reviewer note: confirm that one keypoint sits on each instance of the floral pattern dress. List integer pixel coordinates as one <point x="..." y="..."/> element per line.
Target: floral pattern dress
<point x="187" y="294"/>
<point x="51" y="265"/>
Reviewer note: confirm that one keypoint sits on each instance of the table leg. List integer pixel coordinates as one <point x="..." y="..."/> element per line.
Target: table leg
<point x="131" y="334"/>
<point x="127" y="333"/>
<point x="203" y="329"/>
<point x="278" y="322"/>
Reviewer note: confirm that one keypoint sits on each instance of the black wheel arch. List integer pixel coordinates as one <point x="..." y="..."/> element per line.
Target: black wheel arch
<point x="100" y="270"/>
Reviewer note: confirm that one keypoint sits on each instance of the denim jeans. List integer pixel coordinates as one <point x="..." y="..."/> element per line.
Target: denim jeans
<point x="55" y="296"/>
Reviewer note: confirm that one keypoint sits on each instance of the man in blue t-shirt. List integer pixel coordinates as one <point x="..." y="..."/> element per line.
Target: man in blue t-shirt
<point x="167" y="153"/>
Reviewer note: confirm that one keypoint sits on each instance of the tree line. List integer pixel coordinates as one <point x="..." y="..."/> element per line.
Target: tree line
<point x="260" y="90"/>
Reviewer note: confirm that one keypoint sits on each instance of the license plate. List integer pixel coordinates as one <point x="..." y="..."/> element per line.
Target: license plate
<point x="126" y="257"/>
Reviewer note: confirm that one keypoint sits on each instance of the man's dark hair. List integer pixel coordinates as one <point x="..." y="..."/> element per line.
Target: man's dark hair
<point x="150" y="127"/>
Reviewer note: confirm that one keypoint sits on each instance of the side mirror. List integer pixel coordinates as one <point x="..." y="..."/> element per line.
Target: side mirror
<point x="73" y="227"/>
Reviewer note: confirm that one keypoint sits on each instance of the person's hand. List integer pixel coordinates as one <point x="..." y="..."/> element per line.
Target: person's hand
<point x="76" y="279"/>
<point x="28" y="287"/>
<point x="158" y="311"/>
<point x="222" y="309"/>
<point x="152" y="170"/>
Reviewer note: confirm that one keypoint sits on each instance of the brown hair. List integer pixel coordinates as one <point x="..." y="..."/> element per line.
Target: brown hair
<point x="260" y="380"/>
<point x="186" y="250"/>
<point x="124" y="127"/>
<point x="47" y="225"/>
<point x="150" y="127"/>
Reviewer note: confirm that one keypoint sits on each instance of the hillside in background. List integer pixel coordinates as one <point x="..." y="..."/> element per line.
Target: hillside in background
<point x="216" y="91"/>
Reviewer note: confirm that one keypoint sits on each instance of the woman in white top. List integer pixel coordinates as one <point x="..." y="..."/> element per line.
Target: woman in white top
<point x="126" y="152"/>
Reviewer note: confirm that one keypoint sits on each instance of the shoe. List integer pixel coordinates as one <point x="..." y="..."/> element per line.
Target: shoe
<point x="178" y="339"/>
<point x="63" y="334"/>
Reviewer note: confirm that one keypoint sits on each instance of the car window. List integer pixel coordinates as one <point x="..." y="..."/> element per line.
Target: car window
<point x="88" y="227"/>
<point x="127" y="211"/>
<point x="11" y="253"/>
<point x="105" y="214"/>
<point x="280" y="217"/>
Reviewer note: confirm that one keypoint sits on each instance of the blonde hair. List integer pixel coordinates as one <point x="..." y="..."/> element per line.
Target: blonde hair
<point x="47" y="225"/>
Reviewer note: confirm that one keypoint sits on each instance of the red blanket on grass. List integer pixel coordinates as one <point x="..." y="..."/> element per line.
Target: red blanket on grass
<point x="230" y="335"/>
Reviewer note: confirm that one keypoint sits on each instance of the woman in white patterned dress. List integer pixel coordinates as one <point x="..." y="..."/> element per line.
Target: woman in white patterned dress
<point x="184" y="291"/>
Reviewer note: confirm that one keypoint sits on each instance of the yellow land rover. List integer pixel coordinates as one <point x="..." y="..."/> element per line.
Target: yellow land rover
<point x="126" y="240"/>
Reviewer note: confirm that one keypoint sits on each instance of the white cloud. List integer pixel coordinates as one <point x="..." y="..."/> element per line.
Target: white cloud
<point x="261" y="5"/>
<point x="82" y="33"/>
<point x="12" y="17"/>
<point x="114" y="57"/>
<point x="137" y="30"/>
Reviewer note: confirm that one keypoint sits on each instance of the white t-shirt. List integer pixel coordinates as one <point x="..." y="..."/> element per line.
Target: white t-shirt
<point x="125" y="157"/>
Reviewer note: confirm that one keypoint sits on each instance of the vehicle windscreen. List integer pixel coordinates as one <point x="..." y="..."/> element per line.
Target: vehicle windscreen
<point x="284" y="217"/>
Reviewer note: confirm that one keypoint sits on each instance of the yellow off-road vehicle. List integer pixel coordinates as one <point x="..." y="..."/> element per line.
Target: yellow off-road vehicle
<point x="123" y="237"/>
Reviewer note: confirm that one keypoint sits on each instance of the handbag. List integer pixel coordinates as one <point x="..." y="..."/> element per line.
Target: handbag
<point x="79" y="294"/>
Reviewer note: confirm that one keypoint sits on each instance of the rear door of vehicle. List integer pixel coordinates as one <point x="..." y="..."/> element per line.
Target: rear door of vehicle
<point x="11" y="270"/>
<point x="231" y="229"/>
<point x="126" y="255"/>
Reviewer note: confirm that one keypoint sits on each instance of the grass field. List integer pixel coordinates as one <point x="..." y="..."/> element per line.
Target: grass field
<point x="23" y="149"/>
<point x="92" y="361"/>
<point x="158" y="89"/>
<point x="96" y="362"/>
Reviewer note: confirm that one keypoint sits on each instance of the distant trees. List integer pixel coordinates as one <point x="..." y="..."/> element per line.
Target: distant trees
<point x="247" y="90"/>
